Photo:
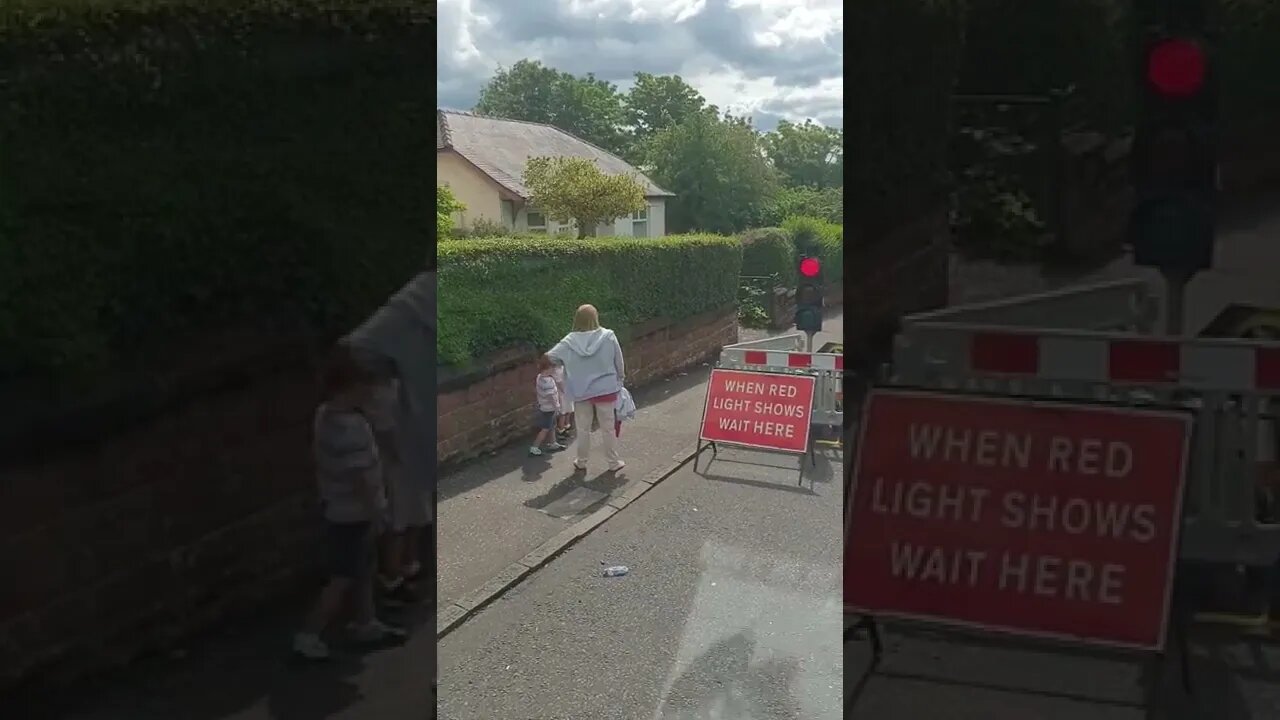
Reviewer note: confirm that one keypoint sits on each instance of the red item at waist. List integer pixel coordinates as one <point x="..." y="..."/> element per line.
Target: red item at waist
<point x="602" y="399"/>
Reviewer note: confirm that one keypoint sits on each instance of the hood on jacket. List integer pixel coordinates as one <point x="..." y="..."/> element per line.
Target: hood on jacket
<point x="586" y="343"/>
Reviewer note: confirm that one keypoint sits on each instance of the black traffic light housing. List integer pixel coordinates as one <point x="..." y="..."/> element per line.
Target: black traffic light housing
<point x="809" y="296"/>
<point x="1174" y="153"/>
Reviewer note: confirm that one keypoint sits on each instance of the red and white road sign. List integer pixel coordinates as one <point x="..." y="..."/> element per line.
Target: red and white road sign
<point x="1037" y="518"/>
<point x="767" y="411"/>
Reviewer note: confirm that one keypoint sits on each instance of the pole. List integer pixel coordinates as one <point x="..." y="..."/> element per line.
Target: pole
<point x="1175" y="284"/>
<point x="808" y="342"/>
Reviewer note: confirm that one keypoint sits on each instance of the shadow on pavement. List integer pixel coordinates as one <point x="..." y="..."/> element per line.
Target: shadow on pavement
<point x="242" y="663"/>
<point x="722" y="683"/>
<point x="1012" y="689"/>
<point x="472" y="474"/>
<point x="1220" y="661"/>
<point x="606" y="483"/>
<point x="247" y="664"/>
<point x="817" y="470"/>
<point x="765" y="484"/>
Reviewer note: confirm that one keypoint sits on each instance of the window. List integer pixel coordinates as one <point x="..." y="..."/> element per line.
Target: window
<point x="536" y="221"/>
<point x="508" y="214"/>
<point x="640" y="223"/>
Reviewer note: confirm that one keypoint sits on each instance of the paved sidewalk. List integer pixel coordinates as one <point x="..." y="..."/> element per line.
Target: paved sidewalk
<point x="496" y="510"/>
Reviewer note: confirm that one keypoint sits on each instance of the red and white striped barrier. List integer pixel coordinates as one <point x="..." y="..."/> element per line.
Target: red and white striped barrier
<point x="781" y="359"/>
<point x="1195" y="364"/>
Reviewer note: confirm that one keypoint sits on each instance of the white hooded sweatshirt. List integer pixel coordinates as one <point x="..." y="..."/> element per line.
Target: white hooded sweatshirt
<point x="399" y="340"/>
<point x="592" y="363"/>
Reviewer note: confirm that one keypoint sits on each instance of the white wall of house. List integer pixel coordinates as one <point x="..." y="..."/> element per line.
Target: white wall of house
<point x="652" y="222"/>
<point x="471" y="187"/>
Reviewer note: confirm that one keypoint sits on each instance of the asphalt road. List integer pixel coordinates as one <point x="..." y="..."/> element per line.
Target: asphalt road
<point x="731" y="609"/>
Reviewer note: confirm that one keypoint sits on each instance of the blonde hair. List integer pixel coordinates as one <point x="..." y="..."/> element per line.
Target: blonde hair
<point x="586" y="318"/>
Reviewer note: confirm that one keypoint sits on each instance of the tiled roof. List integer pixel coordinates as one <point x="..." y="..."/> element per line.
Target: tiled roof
<point x="500" y="148"/>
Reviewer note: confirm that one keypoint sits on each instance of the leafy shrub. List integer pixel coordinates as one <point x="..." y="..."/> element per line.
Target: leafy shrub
<point x="826" y="204"/>
<point x="446" y="206"/>
<point x="820" y="239"/>
<point x="170" y="169"/>
<point x="769" y="252"/>
<point x="500" y="293"/>
<point x="753" y="299"/>
<point x="992" y="219"/>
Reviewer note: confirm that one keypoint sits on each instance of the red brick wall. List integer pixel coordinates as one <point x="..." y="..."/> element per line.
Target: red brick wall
<point x="155" y="532"/>
<point x="496" y="408"/>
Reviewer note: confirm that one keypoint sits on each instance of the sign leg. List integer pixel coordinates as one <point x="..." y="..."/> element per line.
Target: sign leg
<point x="697" y="454"/>
<point x="867" y="623"/>
<point x="1181" y="631"/>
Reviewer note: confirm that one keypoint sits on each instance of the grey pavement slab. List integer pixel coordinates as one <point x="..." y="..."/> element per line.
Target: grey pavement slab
<point x="731" y="609"/>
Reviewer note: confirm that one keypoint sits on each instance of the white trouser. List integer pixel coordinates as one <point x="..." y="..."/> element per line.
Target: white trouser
<point x="583" y="413"/>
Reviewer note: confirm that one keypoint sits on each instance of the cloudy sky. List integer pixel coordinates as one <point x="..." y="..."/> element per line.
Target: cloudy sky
<point x="770" y="59"/>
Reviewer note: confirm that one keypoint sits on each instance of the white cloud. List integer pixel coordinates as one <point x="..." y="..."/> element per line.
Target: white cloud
<point x="771" y="59"/>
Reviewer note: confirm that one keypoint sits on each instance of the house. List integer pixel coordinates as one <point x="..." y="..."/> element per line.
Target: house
<point x="482" y="160"/>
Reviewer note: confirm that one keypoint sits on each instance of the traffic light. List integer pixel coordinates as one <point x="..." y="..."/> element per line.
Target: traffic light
<point x="809" y="296"/>
<point x="1174" y="152"/>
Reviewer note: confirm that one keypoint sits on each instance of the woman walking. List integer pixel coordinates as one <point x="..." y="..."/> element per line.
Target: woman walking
<point x="592" y="359"/>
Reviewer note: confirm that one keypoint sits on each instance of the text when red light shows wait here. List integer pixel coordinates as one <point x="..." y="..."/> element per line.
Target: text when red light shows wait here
<point x="1035" y="518"/>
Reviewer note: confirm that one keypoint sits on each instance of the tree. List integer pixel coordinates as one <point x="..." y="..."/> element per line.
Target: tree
<point x="586" y="107"/>
<point x="807" y="155"/>
<point x="569" y="189"/>
<point x="446" y="206"/>
<point x="716" y="168"/>
<point x="656" y="103"/>
<point x="826" y="204"/>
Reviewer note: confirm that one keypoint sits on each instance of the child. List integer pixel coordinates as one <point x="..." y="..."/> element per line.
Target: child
<point x="548" y="405"/>
<point x="564" y="421"/>
<point x="349" y="476"/>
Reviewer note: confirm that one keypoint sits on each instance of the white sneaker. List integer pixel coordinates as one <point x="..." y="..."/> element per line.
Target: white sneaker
<point x="376" y="631"/>
<point x="579" y="465"/>
<point x="310" y="646"/>
<point x="535" y="451"/>
<point x="616" y="468"/>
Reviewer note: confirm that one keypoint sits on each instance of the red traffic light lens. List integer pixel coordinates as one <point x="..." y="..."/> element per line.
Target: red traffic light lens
<point x="809" y="267"/>
<point x="1176" y="67"/>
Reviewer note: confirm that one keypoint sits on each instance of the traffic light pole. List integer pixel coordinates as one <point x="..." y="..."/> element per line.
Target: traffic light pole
<point x="1175" y="286"/>
<point x="808" y="342"/>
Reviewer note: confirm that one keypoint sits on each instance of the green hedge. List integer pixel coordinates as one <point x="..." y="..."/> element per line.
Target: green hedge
<point x="769" y="252"/>
<point x="500" y="293"/>
<point x="900" y="76"/>
<point x="171" y="167"/>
